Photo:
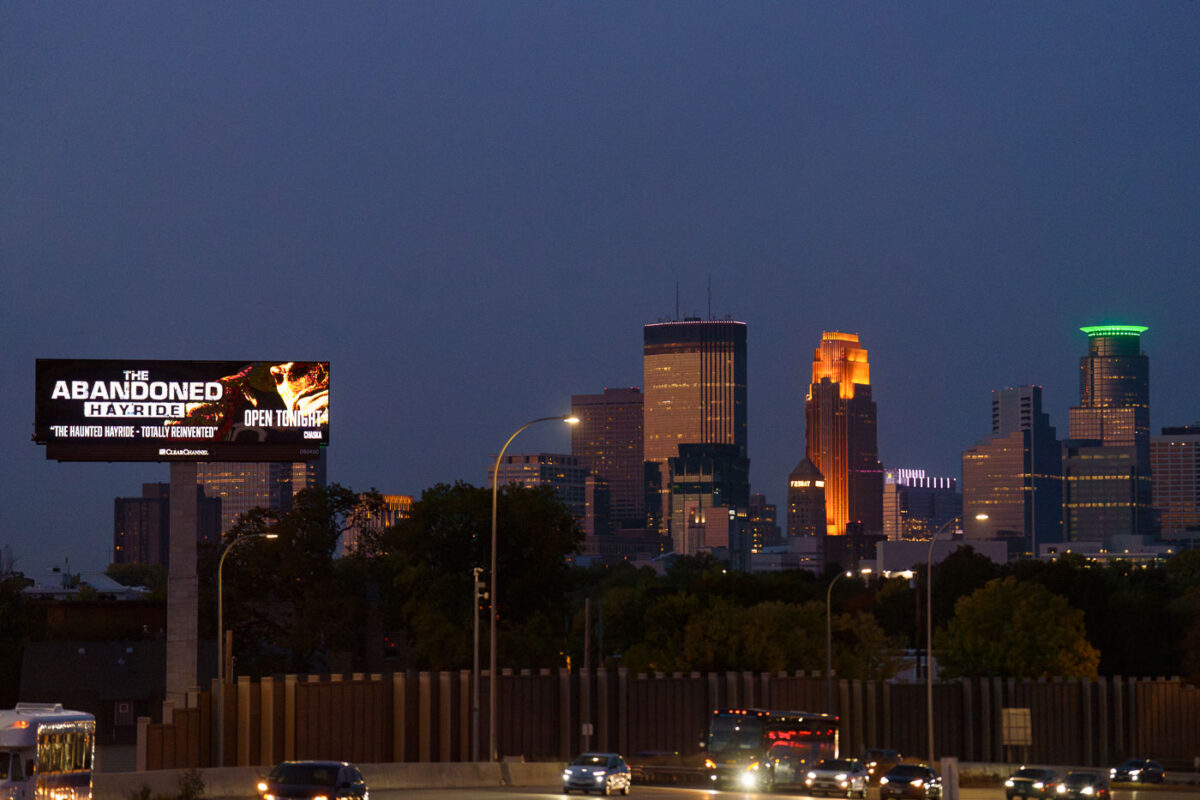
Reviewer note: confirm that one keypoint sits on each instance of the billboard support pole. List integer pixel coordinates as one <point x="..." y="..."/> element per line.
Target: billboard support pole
<point x="182" y="586"/>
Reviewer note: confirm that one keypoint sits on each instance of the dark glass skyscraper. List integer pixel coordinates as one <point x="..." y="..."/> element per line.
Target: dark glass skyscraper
<point x="840" y="434"/>
<point x="1107" y="490"/>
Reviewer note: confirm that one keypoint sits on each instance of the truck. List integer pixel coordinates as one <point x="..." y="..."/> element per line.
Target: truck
<point x="46" y="752"/>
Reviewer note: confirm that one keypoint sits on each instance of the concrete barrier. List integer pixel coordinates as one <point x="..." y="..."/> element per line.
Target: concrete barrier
<point x="236" y="783"/>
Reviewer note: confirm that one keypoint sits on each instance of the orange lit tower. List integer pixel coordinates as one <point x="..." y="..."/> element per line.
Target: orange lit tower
<point x="841" y="444"/>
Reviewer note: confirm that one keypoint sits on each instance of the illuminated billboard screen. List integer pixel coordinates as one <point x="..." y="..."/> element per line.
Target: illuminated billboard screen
<point x="111" y="410"/>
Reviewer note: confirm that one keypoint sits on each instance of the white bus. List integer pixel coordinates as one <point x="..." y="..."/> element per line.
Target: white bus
<point x="46" y="753"/>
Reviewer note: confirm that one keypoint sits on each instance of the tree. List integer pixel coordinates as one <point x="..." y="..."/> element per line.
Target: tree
<point x="1019" y="629"/>
<point x="288" y="600"/>
<point x="431" y="556"/>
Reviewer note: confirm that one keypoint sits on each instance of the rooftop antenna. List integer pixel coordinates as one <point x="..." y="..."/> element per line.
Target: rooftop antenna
<point x="677" y="300"/>
<point x="710" y="316"/>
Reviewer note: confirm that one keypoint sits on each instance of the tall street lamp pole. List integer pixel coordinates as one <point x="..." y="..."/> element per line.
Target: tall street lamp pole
<point x="929" y="630"/>
<point x="221" y="641"/>
<point x="494" y="686"/>
<point x="829" y="638"/>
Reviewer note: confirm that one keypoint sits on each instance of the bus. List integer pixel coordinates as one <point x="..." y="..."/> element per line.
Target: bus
<point x="46" y="753"/>
<point x="757" y="750"/>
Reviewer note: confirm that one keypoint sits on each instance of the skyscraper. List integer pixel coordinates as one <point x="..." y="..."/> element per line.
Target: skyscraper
<point x="840" y="434"/>
<point x="1107" y="490"/>
<point x="609" y="437"/>
<point x="695" y="383"/>
<point x="243" y="486"/>
<point x="142" y="525"/>
<point x="1014" y="475"/>
<point x="806" y="501"/>
<point x="565" y="474"/>
<point x="917" y="506"/>
<point x="1175" y="462"/>
<point x="695" y="394"/>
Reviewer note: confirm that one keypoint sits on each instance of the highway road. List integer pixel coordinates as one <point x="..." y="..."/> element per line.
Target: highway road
<point x="679" y="793"/>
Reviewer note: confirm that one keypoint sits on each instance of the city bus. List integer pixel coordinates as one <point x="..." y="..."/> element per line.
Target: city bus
<point x="46" y="753"/>
<point x="758" y="750"/>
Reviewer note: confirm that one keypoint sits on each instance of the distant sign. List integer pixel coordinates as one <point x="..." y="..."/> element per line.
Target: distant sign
<point x="112" y="410"/>
<point x="1016" y="727"/>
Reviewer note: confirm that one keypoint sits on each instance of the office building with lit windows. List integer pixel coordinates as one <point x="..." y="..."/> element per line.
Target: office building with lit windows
<point x="710" y="500"/>
<point x="567" y="475"/>
<point x="609" y="438"/>
<point x="1012" y="477"/>
<point x="805" y="501"/>
<point x="1175" y="465"/>
<point x="840" y="435"/>
<point x="357" y="538"/>
<point x="1107" y="489"/>
<point x="142" y="525"/>
<point x="761" y="523"/>
<point x="917" y="506"/>
<point x="242" y="486"/>
<point x="695" y="394"/>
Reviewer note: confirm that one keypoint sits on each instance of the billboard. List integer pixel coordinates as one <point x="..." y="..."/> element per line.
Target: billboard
<point x="138" y="410"/>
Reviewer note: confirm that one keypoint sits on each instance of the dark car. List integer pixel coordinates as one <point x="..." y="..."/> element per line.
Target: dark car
<point x="910" y="780"/>
<point x="878" y="761"/>
<point x="843" y="776"/>
<point x="1031" y="782"/>
<point x="313" y="780"/>
<point x="1137" y="770"/>
<point x="603" y="773"/>
<point x="1083" y="785"/>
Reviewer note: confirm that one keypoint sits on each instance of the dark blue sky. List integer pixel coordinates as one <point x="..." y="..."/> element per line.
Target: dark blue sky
<point x="471" y="209"/>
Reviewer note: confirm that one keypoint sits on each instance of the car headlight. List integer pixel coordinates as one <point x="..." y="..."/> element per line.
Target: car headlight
<point x="710" y="764"/>
<point x="841" y="776"/>
<point x="262" y="786"/>
<point x="883" y="781"/>
<point x="320" y="797"/>
<point x="1088" y="790"/>
<point x="1008" y="784"/>
<point x="753" y="766"/>
<point x="1062" y="789"/>
<point x="599" y="776"/>
<point x="812" y="776"/>
<point x="918" y="783"/>
<point x="1112" y="773"/>
<point x="1039" y="785"/>
<point x="1133" y="773"/>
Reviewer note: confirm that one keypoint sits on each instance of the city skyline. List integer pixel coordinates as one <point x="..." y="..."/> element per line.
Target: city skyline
<point x="473" y="212"/>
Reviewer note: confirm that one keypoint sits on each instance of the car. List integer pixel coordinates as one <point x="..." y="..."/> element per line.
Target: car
<point x="843" y="776"/>
<point x="313" y="780"/>
<point x="603" y="773"/>
<point x="879" y="760"/>
<point x="1031" y="782"/>
<point x="1137" y="770"/>
<point x="1083" y="785"/>
<point x="910" y="780"/>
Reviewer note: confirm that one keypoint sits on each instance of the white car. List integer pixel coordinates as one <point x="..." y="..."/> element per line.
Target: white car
<point x="602" y="773"/>
<point x="843" y="776"/>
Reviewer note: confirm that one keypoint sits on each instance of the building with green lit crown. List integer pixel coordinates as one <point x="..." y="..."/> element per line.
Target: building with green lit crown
<point x="1107" y="491"/>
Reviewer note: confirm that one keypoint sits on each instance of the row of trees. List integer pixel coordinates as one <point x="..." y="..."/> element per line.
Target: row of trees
<point x="404" y="598"/>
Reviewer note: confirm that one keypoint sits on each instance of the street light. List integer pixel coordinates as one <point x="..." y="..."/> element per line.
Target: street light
<point x="929" y="629"/>
<point x="495" y="683"/>
<point x="221" y="642"/>
<point x="829" y="637"/>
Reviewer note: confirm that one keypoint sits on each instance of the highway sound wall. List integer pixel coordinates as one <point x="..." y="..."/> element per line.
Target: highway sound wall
<point x="552" y="715"/>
